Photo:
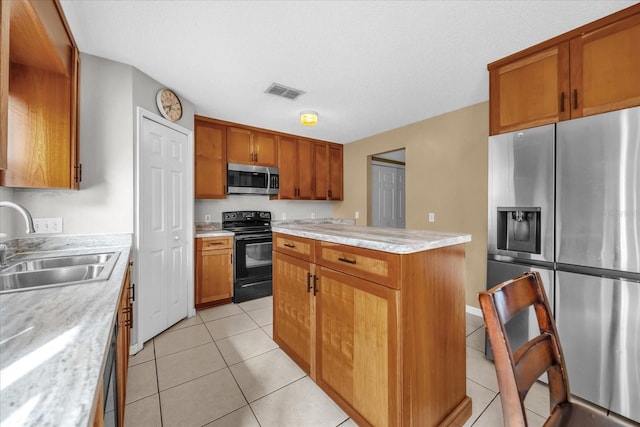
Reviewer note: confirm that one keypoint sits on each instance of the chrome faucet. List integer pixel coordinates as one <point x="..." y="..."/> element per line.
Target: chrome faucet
<point x="25" y="214"/>
<point x="27" y="219"/>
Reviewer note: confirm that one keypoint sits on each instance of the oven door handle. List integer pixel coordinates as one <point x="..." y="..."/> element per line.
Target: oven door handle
<point x="254" y="237"/>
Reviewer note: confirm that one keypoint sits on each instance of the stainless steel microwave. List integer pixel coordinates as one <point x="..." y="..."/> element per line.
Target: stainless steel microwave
<point x="249" y="179"/>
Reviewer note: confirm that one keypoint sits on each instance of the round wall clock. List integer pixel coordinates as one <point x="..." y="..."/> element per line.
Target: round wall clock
<point x="169" y="104"/>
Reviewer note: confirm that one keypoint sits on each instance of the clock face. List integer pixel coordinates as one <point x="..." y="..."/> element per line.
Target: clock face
<point x="169" y="104"/>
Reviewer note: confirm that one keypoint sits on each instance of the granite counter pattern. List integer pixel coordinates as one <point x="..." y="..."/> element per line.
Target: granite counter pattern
<point x="393" y="240"/>
<point x="54" y="341"/>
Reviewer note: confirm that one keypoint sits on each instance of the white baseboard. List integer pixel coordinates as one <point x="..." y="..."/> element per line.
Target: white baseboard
<point x="474" y="310"/>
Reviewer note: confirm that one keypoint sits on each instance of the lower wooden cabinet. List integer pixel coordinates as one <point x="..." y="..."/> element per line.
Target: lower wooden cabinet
<point x="125" y="323"/>
<point x="357" y="345"/>
<point x="214" y="271"/>
<point x="389" y="348"/>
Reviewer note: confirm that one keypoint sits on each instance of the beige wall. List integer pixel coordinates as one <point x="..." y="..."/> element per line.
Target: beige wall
<point x="446" y="173"/>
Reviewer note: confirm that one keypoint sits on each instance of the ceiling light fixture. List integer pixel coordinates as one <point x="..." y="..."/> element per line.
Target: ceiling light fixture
<point x="309" y="118"/>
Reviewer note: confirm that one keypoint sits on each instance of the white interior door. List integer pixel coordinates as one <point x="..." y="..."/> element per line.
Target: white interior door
<point x="164" y="224"/>
<point x="387" y="196"/>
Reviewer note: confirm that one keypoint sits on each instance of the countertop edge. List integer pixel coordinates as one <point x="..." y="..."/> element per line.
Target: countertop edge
<point x="421" y="240"/>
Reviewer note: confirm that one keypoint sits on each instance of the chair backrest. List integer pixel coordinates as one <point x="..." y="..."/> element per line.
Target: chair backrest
<point x="518" y="371"/>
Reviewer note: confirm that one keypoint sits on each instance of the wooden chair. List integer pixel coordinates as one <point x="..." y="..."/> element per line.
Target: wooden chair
<point x="518" y="371"/>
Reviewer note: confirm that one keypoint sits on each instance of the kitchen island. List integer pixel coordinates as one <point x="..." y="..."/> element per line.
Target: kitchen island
<point x="54" y="341"/>
<point x="376" y="317"/>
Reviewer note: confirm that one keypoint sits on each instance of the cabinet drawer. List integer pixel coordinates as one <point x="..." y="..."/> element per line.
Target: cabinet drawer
<point x="379" y="267"/>
<point x="298" y="247"/>
<point x="211" y="243"/>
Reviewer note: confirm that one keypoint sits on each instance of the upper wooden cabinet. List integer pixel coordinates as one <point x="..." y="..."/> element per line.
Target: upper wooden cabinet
<point x="39" y="111"/>
<point x="605" y="68"/>
<point x="531" y="91"/>
<point x="590" y="70"/>
<point x="210" y="159"/>
<point x="328" y="173"/>
<point x="295" y="162"/>
<point x="251" y="147"/>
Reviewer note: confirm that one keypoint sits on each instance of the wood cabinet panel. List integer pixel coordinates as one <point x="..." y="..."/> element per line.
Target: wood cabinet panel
<point x="125" y="322"/>
<point x="288" y="167"/>
<point x="246" y="146"/>
<point x="376" y="266"/>
<point x="356" y="352"/>
<point x="327" y="160"/>
<point x="292" y="306"/>
<point x="299" y="247"/>
<point x="531" y="92"/>
<point x="214" y="271"/>
<point x="39" y="115"/>
<point x="589" y="70"/>
<point x="4" y="80"/>
<point x="321" y="171"/>
<point x="295" y="163"/>
<point x="239" y="147"/>
<point x="605" y="68"/>
<point x="210" y="160"/>
<point x="304" y="163"/>
<point x="335" y="172"/>
<point x="265" y="149"/>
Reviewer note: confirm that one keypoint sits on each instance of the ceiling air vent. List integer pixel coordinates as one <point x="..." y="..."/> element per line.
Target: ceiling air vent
<point x="284" y="91"/>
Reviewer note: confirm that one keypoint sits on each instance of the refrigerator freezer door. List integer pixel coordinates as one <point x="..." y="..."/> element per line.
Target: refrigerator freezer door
<point x="598" y="191"/>
<point x="524" y="326"/>
<point x="521" y="174"/>
<point x="599" y="326"/>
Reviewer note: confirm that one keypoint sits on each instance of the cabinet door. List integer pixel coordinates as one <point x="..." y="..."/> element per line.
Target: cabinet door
<point x="356" y="337"/>
<point x="214" y="281"/>
<point x="292" y="301"/>
<point x="335" y="172"/>
<point x="41" y="107"/>
<point x="287" y="155"/>
<point x="265" y="149"/>
<point x="210" y="160"/>
<point x="305" y="169"/>
<point x="321" y="170"/>
<point x="531" y="91"/>
<point x="605" y="68"/>
<point x="239" y="146"/>
<point x="125" y="314"/>
<point x="5" y="10"/>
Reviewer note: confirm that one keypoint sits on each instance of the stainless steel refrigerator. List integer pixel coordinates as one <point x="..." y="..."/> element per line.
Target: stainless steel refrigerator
<point x="564" y="200"/>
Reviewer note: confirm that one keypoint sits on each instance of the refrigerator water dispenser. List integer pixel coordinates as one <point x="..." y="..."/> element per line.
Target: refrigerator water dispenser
<point x="519" y="229"/>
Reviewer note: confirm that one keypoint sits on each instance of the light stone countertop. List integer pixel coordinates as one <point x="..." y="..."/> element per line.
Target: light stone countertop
<point x="53" y="342"/>
<point x="393" y="240"/>
<point x="210" y="229"/>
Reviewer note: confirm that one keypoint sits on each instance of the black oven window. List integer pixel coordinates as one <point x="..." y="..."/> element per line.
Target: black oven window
<point x="258" y="254"/>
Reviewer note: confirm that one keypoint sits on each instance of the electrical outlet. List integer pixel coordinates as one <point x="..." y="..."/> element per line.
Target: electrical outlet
<point x="207" y="218"/>
<point x="47" y="225"/>
<point x="284" y="215"/>
<point x="313" y="215"/>
<point x="432" y="217"/>
<point x="357" y="215"/>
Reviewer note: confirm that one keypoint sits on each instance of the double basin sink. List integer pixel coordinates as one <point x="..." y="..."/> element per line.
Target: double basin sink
<point x="22" y="275"/>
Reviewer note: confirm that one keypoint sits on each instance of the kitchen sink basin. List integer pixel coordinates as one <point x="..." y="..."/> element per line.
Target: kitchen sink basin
<point x="56" y="271"/>
<point x="63" y="261"/>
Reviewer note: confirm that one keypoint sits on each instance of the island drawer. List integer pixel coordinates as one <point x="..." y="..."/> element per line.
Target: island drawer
<point x="212" y="243"/>
<point x="298" y="247"/>
<point x="376" y="266"/>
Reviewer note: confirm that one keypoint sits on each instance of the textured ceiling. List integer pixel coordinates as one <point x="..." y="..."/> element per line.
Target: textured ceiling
<point x="366" y="66"/>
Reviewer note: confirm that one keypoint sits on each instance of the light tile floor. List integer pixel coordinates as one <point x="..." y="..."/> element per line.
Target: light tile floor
<point x="221" y="368"/>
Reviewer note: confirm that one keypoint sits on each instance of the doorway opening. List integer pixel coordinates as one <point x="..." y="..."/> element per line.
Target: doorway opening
<point x="387" y="189"/>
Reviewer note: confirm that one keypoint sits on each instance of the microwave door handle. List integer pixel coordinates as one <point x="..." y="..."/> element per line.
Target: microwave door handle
<point x="268" y="179"/>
